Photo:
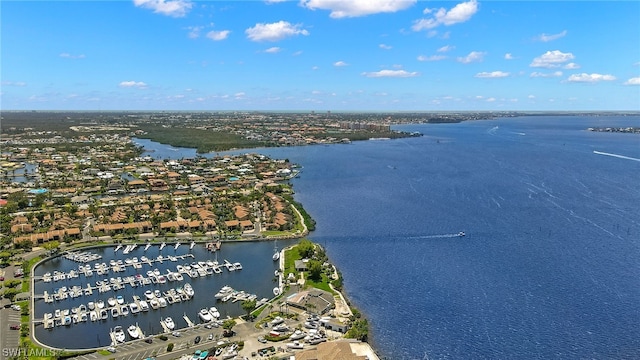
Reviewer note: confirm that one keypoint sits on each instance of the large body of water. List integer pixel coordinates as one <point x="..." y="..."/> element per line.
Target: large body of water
<point x="549" y="266"/>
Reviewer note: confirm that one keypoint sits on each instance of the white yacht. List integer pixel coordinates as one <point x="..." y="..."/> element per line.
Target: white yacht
<point x="134" y="308"/>
<point x="118" y="334"/>
<point x="100" y="304"/>
<point x="149" y="294"/>
<point x="237" y="265"/>
<point x="144" y="306"/>
<point x="214" y="312"/>
<point x="111" y="301"/>
<point x="120" y="299"/>
<point x="124" y="310"/>
<point x="114" y="312"/>
<point x="133" y="332"/>
<point x="205" y="315"/>
<point x="188" y="290"/>
<point x="168" y="322"/>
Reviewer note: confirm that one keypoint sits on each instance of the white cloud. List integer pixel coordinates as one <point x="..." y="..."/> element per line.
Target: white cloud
<point x="175" y="8"/>
<point x="356" y="8"/>
<point x="274" y="1"/>
<point x="571" y="66"/>
<point x="551" y="59"/>
<point x="390" y="73"/>
<point x="340" y="63"/>
<point x="474" y="56"/>
<point x="274" y="31"/>
<point x="218" y="35"/>
<point x="431" y="58"/>
<point x="446" y="48"/>
<point x="491" y="99"/>
<point x="547" y="37"/>
<point x="315" y="68"/>
<point x="14" y="83"/>
<point x="493" y="74"/>
<point x="633" y="81"/>
<point x="69" y="56"/>
<point x="546" y="75"/>
<point x="508" y="56"/>
<point x="584" y="77"/>
<point x="385" y="46"/>
<point x="194" y="31"/>
<point x="273" y="50"/>
<point x="458" y="14"/>
<point x="531" y="97"/>
<point x="297" y="53"/>
<point x="133" y="84"/>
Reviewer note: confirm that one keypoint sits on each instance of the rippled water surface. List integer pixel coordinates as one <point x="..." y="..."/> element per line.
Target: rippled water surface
<point x="549" y="264"/>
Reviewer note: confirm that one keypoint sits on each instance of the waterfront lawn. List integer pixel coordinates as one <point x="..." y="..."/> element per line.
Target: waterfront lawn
<point x="290" y="257"/>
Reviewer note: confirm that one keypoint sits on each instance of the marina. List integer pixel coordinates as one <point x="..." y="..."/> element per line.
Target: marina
<point x="145" y="287"/>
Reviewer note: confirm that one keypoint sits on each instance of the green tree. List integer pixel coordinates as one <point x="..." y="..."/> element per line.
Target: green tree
<point x="306" y="248"/>
<point x="248" y="306"/>
<point x="315" y="270"/>
<point x="227" y="325"/>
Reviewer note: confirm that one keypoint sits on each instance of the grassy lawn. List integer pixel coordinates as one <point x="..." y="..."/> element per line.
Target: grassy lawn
<point x="290" y="257"/>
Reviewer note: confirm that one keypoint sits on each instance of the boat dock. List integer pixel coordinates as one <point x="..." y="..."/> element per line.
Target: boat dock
<point x="189" y="322"/>
<point x="164" y="326"/>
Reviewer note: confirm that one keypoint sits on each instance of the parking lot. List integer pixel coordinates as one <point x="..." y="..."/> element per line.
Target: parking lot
<point x="10" y="339"/>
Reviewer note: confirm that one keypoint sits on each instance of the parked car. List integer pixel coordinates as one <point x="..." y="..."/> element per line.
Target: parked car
<point x="14" y="326"/>
<point x="197" y="339"/>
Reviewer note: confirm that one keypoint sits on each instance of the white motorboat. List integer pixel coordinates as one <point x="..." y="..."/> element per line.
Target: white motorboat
<point x="149" y="294"/>
<point x="133" y="332"/>
<point x="295" y="345"/>
<point x="147" y="247"/>
<point x="120" y="299"/>
<point x="91" y="305"/>
<point x="111" y="301"/>
<point x="176" y="246"/>
<point x="114" y="312"/>
<point x="205" y="315"/>
<point x="93" y="315"/>
<point x="237" y="265"/>
<point x="193" y="243"/>
<point x="162" y="302"/>
<point x="188" y="290"/>
<point x="179" y="277"/>
<point x="214" y="312"/>
<point x="276" y="291"/>
<point x="124" y="310"/>
<point x="168" y="322"/>
<point x="104" y="315"/>
<point x="118" y="334"/>
<point x="276" y="253"/>
<point x="144" y="306"/>
<point x="100" y="304"/>
<point x="134" y="308"/>
<point x="226" y="290"/>
<point x="154" y="304"/>
<point x="297" y="335"/>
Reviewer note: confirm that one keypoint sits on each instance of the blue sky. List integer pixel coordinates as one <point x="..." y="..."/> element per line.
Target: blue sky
<point x="356" y="55"/>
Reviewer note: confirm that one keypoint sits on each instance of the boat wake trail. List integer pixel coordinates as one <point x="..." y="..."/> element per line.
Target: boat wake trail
<point x="441" y="236"/>
<point x="615" y="155"/>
